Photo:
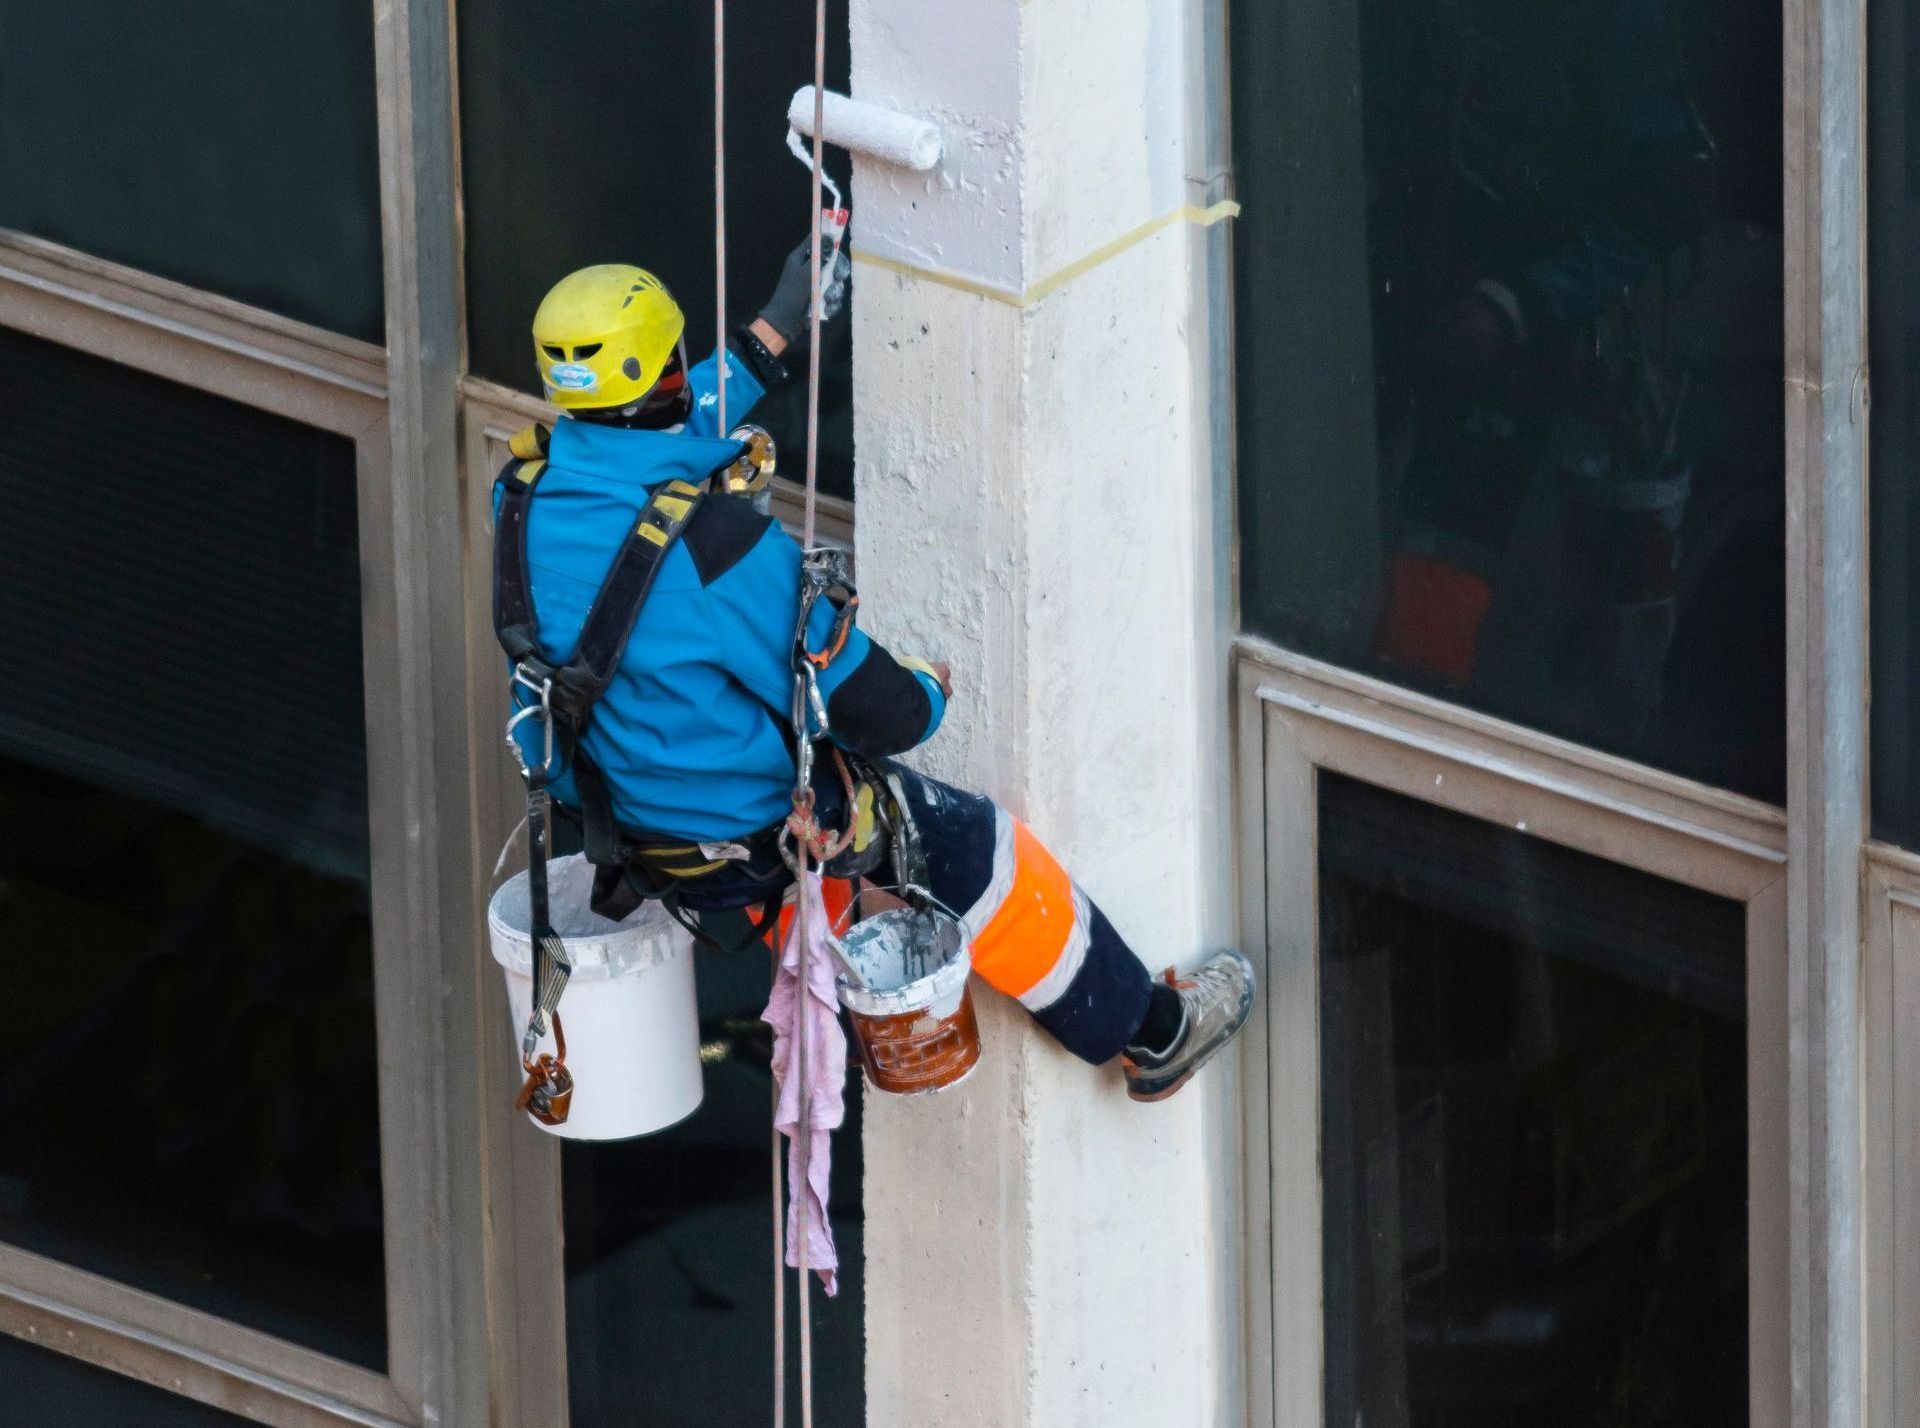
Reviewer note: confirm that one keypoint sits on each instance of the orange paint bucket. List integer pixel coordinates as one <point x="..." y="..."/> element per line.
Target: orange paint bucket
<point x="911" y="1009"/>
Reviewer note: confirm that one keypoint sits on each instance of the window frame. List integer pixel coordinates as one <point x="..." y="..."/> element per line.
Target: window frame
<point x="338" y="385"/>
<point x="1296" y="717"/>
<point x="1833" y="933"/>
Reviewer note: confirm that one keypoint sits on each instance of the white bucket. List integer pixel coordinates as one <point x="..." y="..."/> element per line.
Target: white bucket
<point x="633" y="1029"/>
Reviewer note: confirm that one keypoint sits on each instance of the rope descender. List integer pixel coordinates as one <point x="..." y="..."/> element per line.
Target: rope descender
<point x="547" y="1093"/>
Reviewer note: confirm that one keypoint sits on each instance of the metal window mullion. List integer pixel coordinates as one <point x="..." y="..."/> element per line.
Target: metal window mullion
<point x="1826" y="697"/>
<point x="1298" y="716"/>
<point x="437" y="1136"/>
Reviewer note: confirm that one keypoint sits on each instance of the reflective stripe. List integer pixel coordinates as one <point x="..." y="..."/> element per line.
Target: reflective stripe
<point x="1028" y="937"/>
<point x="1001" y="881"/>
<point x="1050" y="988"/>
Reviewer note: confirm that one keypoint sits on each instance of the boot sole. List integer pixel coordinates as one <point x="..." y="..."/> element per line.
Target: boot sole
<point x="1147" y="1098"/>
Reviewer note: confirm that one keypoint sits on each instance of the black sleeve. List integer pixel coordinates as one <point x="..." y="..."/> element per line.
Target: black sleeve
<point x="752" y="354"/>
<point x="881" y="709"/>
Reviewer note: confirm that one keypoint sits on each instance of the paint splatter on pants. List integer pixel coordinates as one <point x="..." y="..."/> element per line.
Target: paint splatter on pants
<point x="1036" y="936"/>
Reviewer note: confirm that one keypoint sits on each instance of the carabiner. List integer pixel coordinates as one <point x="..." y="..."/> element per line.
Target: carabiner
<point x="542" y="710"/>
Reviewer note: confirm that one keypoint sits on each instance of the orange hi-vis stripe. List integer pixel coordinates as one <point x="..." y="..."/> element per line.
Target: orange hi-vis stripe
<point x="1023" y="941"/>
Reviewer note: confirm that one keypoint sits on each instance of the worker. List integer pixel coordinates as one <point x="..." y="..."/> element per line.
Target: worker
<point x="680" y="760"/>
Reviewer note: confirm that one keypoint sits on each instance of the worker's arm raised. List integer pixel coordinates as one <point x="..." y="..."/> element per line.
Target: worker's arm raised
<point x="755" y="351"/>
<point x="748" y="378"/>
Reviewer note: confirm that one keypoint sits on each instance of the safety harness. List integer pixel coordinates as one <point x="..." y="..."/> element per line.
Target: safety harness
<point x="561" y="699"/>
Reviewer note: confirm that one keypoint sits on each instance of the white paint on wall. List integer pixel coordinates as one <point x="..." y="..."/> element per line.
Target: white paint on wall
<point x="1037" y="505"/>
<point x="948" y="63"/>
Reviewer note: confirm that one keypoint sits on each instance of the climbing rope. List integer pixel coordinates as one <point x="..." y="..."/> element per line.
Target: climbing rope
<point x="720" y="205"/>
<point x="811" y="844"/>
<point x="803" y="793"/>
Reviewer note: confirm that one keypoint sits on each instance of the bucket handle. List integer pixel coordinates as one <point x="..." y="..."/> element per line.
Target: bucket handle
<point x="838" y="927"/>
<point x="835" y="931"/>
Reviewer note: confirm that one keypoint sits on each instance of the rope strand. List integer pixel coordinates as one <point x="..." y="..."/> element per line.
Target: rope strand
<point x="779" y="1255"/>
<point x="813" y="217"/>
<point x="813" y="472"/>
<point x="720" y="203"/>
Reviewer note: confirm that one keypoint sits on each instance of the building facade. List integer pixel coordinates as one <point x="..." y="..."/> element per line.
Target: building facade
<point x="1398" y="486"/>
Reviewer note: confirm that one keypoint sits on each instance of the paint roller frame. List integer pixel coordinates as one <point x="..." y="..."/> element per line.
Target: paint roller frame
<point x="870" y="129"/>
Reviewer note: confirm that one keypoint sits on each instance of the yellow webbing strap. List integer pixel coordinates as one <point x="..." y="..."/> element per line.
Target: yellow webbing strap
<point x="530" y="442"/>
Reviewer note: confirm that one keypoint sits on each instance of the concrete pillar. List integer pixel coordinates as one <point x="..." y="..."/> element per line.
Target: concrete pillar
<point x="1037" y="505"/>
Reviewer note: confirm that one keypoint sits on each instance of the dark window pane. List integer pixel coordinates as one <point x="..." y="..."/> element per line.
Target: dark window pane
<point x="670" y="1247"/>
<point x="230" y="145"/>
<point x="183" y="852"/>
<point x="48" y="1390"/>
<point x="1893" y="329"/>
<point x="1533" y="1081"/>
<point x="587" y="137"/>
<point x="1510" y="356"/>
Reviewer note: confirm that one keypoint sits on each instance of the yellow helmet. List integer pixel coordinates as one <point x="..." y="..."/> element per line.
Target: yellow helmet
<point x="604" y="335"/>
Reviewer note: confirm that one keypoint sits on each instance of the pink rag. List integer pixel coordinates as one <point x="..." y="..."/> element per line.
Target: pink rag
<point x="826" y="1078"/>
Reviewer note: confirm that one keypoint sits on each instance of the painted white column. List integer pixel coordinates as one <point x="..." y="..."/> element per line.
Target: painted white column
<point x="1037" y="505"/>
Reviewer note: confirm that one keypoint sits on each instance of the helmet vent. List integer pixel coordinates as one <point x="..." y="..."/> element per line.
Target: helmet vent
<point x="559" y="354"/>
<point x="581" y="353"/>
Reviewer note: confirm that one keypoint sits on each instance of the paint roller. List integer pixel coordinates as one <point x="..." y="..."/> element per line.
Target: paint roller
<point x="863" y="128"/>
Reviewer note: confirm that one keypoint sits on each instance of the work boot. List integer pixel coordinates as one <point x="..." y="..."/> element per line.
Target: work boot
<point x="1215" y="1000"/>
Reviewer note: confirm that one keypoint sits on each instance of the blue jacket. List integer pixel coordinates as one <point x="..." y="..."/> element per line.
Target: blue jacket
<point x="692" y="737"/>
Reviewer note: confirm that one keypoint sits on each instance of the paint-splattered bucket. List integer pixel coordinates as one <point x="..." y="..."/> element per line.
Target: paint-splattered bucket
<point x="913" y="1019"/>
<point x="632" y="1023"/>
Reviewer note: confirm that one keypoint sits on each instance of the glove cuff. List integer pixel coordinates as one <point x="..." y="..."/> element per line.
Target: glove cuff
<point x="754" y="354"/>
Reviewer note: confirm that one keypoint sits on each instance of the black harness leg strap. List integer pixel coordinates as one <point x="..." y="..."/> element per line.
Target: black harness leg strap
<point x="551" y="969"/>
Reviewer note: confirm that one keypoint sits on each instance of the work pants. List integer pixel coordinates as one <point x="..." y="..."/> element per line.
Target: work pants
<point x="1035" y="935"/>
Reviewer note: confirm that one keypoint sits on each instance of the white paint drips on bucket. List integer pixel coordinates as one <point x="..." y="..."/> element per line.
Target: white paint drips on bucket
<point x="633" y="1028"/>
<point x="912" y="1018"/>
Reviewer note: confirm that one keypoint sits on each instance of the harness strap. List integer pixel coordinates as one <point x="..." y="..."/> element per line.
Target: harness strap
<point x="572" y="689"/>
<point x="599" y="834"/>
<point x="616" y="609"/>
<point x="513" y="619"/>
<point x="579" y="683"/>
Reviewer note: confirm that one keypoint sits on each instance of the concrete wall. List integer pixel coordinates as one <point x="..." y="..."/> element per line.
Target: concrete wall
<point x="1039" y="505"/>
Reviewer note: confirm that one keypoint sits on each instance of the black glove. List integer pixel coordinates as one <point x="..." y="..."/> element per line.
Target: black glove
<point x="786" y="311"/>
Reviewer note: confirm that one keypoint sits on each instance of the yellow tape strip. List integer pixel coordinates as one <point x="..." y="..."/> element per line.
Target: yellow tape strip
<point x="1189" y="213"/>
